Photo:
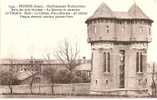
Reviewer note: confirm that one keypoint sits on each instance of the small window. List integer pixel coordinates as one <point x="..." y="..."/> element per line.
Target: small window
<point x="139" y="82"/>
<point x="123" y="28"/>
<point x="107" y="29"/>
<point x="141" y="29"/>
<point x="149" y="30"/>
<point x="96" y="81"/>
<point x="146" y="80"/>
<point x="107" y="82"/>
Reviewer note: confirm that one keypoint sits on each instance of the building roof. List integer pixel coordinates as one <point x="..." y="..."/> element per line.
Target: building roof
<point x="24" y="75"/>
<point x="122" y="15"/>
<point x="28" y="61"/>
<point x="136" y="12"/>
<point x="103" y="11"/>
<point x="8" y="61"/>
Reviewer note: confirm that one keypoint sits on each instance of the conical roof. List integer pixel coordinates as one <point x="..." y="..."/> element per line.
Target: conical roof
<point x="103" y="11"/>
<point x="136" y="12"/>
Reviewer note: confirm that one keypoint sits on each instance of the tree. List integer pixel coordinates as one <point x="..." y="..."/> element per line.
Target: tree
<point x="34" y="73"/>
<point x="49" y="73"/>
<point x="8" y="78"/>
<point x="62" y="76"/>
<point x="68" y="55"/>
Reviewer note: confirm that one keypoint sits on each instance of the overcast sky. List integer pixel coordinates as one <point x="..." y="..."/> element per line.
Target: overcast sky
<point x="21" y="38"/>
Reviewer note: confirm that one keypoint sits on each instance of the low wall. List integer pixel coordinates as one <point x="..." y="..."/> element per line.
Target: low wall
<point x="78" y="88"/>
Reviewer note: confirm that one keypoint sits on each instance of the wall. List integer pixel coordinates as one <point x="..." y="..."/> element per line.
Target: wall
<point x="119" y="30"/>
<point x="81" y="88"/>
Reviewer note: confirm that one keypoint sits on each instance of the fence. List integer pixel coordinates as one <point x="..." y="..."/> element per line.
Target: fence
<point x="78" y="88"/>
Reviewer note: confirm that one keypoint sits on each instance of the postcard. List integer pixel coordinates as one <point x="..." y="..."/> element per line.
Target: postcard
<point x="78" y="48"/>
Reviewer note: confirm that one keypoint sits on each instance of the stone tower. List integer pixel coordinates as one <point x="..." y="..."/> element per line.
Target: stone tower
<point x="119" y="43"/>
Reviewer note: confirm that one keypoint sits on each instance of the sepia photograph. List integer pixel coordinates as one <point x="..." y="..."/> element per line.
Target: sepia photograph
<point x="78" y="49"/>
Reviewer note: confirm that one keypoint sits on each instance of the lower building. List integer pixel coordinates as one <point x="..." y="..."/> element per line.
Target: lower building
<point x="25" y="69"/>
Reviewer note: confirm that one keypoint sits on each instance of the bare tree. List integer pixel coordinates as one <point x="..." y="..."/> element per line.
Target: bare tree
<point x="68" y="55"/>
<point x="32" y="74"/>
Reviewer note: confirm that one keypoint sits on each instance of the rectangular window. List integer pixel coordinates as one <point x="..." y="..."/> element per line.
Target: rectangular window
<point x="139" y="62"/>
<point x="108" y="54"/>
<point x="106" y="62"/>
<point x="122" y="68"/>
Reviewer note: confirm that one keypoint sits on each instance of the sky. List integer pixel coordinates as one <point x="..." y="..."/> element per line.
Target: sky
<point x="22" y="38"/>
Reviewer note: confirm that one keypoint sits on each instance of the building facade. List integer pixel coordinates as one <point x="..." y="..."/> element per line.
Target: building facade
<point x="119" y="43"/>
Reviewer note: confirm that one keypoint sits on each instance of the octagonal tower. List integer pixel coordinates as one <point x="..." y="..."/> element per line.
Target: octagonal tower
<point x="119" y="43"/>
